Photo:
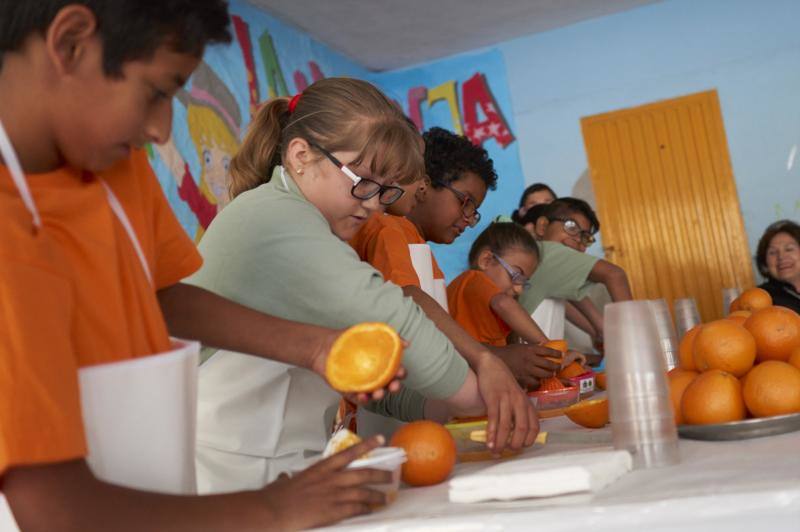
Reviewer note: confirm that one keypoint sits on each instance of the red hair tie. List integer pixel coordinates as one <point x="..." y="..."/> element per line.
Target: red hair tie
<point x="293" y="102"/>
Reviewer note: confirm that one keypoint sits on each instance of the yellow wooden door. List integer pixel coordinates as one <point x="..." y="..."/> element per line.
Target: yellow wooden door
<point x="667" y="200"/>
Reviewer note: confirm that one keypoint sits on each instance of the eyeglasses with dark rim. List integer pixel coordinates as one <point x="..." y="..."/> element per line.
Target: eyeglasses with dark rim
<point x="364" y="188"/>
<point x="573" y="229"/>
<point x="469" y="209"/>
<point x="517" y="278"/>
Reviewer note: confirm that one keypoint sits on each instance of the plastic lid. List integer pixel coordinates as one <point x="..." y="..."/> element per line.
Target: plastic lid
<point x="381" y="458"/>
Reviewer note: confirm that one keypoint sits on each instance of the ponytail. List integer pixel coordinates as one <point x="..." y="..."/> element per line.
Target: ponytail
<point x="260" y="152"/>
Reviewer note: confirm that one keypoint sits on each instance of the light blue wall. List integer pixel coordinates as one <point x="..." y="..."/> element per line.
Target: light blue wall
<point x="748" y="50"/>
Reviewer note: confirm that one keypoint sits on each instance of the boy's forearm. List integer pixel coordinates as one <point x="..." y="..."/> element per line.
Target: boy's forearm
<point x="197" y="314"/>
<point x="576" y="316"/>
<point x="76" y="500"/>
<point x="466" y="345"/>
<point x="517" y="318"/>
<point x="614" y="278"/>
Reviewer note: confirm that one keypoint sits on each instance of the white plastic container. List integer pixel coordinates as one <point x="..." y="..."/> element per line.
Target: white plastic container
<point x="386" y="459"/>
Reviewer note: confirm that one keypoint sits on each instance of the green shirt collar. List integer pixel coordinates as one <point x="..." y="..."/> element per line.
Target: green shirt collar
<point x="285" y="182"/>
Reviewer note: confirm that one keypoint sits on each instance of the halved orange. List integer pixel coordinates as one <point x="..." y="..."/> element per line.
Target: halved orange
<point x="573" y="370"/>
<point x="364" y="358"/>
<point x="558" y="345"/>
<point x="592" y="414"/>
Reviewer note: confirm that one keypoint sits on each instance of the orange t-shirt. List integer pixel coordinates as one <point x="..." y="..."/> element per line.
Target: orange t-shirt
<point x="469" y="297"/>
<point x="383" y="242"/>
<point x="75" y="294"/>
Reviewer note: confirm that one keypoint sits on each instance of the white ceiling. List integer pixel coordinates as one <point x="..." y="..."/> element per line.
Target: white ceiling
<point x="389" y="34"/>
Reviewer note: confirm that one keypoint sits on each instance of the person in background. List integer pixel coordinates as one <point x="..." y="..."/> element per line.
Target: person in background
<point x="778" y="260"/>
<point x="535" y="194"/>
<point x="564" y="229"/>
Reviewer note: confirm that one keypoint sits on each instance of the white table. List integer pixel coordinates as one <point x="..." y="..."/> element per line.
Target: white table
<point x="748" y="485"/>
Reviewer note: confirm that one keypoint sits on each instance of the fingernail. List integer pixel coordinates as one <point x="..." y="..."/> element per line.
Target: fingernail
<point x="381" y="439"/>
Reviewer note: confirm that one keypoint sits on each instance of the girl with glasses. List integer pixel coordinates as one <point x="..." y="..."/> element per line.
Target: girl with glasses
<point x="309" y="174"/>
<point x="483" y="299"/>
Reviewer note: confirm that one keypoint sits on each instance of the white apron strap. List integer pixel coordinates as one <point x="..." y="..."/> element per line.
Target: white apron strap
<point x="12" y="162"/>
<point x="119" y="211"/>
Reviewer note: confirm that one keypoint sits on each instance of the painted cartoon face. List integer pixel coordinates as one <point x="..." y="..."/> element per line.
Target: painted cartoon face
<point x="216" y="163"/>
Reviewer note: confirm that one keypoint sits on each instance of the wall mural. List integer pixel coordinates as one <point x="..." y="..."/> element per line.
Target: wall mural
<point x="467" y="94"/>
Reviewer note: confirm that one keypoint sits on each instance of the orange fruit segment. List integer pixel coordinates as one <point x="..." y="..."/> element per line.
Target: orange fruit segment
<point x="430" y="452"/>
<point x="725" y="345"/>
<point x="714" y="396"/>
<point x="558" y="345"/>
<point x="772" y="388"/>
<point x="777" y="332"/>
<point x="573" y="370"/>
<point x="592" y="414"/>
<point x="364" y="358"/>
<point x="754" y="299"/>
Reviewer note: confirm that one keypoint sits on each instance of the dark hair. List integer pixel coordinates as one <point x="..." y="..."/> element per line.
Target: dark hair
<point x="533" y="214"/>
<point x="536" y="187"/>
<point x="128" y="29"/>
<point x="566" y="207"/>
<point x="500" y="237"/>
<point x="781" y="226"/>
<point x="448" y="156"/>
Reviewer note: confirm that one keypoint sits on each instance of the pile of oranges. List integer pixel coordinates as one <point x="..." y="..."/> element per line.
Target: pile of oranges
<point x="747" y="364"/>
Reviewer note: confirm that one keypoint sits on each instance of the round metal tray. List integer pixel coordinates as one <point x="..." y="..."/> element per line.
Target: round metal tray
<point x="742" y="430"/>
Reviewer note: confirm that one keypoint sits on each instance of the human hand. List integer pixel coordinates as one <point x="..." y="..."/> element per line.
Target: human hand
<point x="323" y="348"/>
<point x="512" y="420"/>
<point x="326" y="492"/>
<point x="528" y="362"/>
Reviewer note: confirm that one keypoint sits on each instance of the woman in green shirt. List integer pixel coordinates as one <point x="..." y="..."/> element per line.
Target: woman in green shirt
<point x="280" y="247"/>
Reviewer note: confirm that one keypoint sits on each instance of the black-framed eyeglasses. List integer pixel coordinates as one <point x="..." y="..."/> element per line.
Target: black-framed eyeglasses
<point x="574" y="229"/>
<point x="469" y="209"/>
<point x="364" y="188"/>
<point x="517" y="278"/>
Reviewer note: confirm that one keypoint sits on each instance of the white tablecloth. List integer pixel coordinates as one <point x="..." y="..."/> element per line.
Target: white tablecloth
<point x="748" y="485"/>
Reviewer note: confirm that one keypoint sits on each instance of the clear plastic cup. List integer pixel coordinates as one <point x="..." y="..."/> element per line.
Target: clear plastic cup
<point x="686" y="315"/>
<point x="386" y="459"/>
<point x="666" y="332"/>
<point x="728" y="295"/>
<point x="639" y="401"/>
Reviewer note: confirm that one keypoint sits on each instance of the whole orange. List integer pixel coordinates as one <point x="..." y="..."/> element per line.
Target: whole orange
<point x="686" y="349"/>
<point x="725" y="345"/>
<point x="772" y="388"/>
<point x="740" y="316"/>
<point x="754" y="299"/>
<point x="430" y="452"/>
<point x="777" y="332"/>
<point x="678" y="380"/>
<point x="715" y="396"/>
<point x="794" y="358"/>
<point x="736" y="305"/>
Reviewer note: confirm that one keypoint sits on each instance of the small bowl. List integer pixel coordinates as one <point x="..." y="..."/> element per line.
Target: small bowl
<point x="386" y="459"/>
<point x="552" y="403"/>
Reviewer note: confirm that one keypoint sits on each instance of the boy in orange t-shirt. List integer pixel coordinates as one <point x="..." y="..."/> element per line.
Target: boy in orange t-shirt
<point x="92" y="258"/>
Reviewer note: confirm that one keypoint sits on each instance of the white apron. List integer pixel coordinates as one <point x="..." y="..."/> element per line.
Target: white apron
<point x="139" y="415"/>
<point x="422" y="260"/>
<point x="550" y="316"/>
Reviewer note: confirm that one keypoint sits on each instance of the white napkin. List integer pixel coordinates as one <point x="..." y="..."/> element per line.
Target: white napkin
<point x="544" y="476"/>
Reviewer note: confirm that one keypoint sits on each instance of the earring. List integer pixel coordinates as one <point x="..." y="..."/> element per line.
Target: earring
<point x="300" y="171"/>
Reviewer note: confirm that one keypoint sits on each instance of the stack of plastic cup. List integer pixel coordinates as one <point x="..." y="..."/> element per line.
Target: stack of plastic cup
<point x="642" y="421"/>
<point x="728" y="295"/>
<point x="686" y="315"/>
<point x="668" y="339"/>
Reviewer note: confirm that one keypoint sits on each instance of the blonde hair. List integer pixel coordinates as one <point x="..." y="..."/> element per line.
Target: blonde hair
<point x="339" y="114"/>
